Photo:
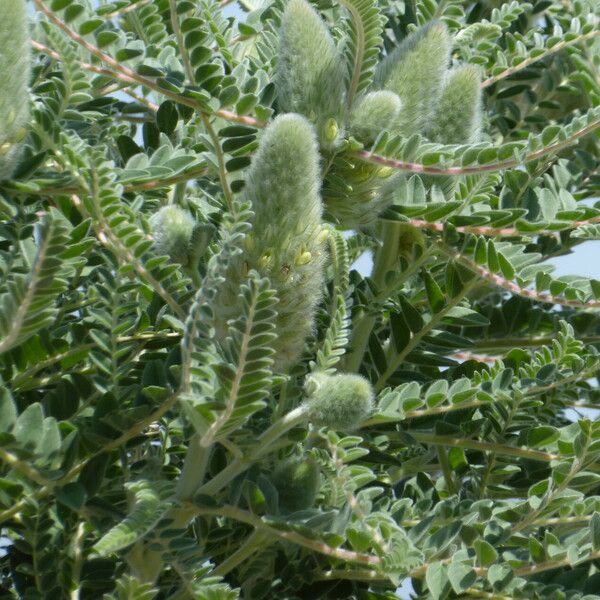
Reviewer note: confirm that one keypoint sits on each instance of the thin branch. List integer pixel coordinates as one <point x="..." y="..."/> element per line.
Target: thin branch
<point x="514" y="288"/>
<point x="23" y="466"/>
<point x="126" y="74"/>
<point x="532" y="59"/>
<point x="127" y="9"/>
<point x="134" y="187"/>
<point x="511" y="163"/>
<point x="243" y="516"/>
<point x="450" y="441"/>
<point x="500" y="231"/>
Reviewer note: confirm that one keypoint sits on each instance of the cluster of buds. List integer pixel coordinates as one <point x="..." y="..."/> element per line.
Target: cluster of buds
<point x="413" y="92"/>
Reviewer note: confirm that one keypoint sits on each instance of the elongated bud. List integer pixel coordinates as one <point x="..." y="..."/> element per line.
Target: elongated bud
<point x="341" y="401"/>
<point x="15" y="59"/>
<point x="374" y="113"/>
<point x="457" y="118"/>
<point x="172" y="229"/>
<point x="310" y="77"/>
<point x="415" y="71"/>
<point x="297" y="481"/>
<point x="287" y="240"/>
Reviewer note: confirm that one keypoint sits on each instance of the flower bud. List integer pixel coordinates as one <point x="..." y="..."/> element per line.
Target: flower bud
<point x="310" y="73"/>
<point x="15" y="59"/>
<point x="297" y="481"/>
<point x="457" y="119"/>
<point x="340" y="401"/>
<point x="415" y="72"/>
<point x="282" y="186"/>
<point x="373" y="113"/>
<point x="172" y="229"/>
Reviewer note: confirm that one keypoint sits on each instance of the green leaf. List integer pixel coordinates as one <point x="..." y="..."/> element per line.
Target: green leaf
<point x="461" y="576"/>
<point x="542" y="436"/>
<point x="486" y="553"/>
<point x="436" y="577"/>
<point x="29" y="426"/>
<point x="595" y="531"/>
<point x="435" y="296"/>
<point x="148" y="508"/>
<point x="8" y="410"/>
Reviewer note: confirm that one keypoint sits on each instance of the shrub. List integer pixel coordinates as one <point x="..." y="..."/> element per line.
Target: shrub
<point x="203" y="394"/>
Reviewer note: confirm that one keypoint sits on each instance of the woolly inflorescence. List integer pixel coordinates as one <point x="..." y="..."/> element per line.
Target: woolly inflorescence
<point x="297" y="481"/>
<point x="457" y="116"/>
<point x="172" y="229"/>
<point x="15" y="58"/>
<point x="415" y="71"/>
<point x="287" y="236"/>
<point x="341" y="401"/>
<point x="372" y="114"/>
<point x="310" y="73"/>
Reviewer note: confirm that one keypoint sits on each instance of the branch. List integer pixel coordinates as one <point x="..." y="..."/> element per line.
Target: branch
<point x="290" y="536"/>
<point x="501" y="165"/>
<point x="126" y="74"/>
<point x="446" y="440"/>
<point x="532" y="59"/>
<point x="500" y="231"/>
<point x="514" y="288"/>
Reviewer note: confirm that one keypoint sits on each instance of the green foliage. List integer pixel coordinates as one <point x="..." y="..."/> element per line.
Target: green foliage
<point x="203" y="394"/>
<point x="29" y="301"/>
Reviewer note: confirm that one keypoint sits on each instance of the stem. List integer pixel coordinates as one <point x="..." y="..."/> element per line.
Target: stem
<point x="385" y="258"/>
<point x="416" y="338"/>
<point x="446" y="470"/>
<point x="243" y="516"/>
<point x="524" y="64"/>
<point x="194" y="469"/>
<point x="77" y="560"/>
<point x="508" y="343"/>
<point x="189" y="71"/>
<point x="255" y="541"/>
<point x="446" y="440"/>
<point x="237" y="465"/>
<point x="501" y="165"/>
<point x="220" y="160"/>
<point x="512" y="287"/>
